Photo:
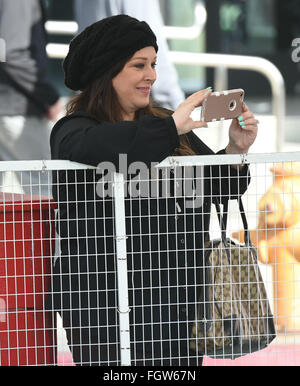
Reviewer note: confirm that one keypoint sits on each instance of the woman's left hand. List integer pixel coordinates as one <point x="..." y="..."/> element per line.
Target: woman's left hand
<point x="242" y="132"/>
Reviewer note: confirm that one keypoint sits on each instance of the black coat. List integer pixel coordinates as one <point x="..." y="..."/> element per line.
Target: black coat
<point x="164" y="244"/>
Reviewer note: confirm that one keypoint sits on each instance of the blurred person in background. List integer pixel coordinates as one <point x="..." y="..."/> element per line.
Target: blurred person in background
<point x="28" y="101"/>
<point x="166" y="91"/>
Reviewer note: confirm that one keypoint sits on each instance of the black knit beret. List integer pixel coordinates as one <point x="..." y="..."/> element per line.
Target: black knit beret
<point x="99" y="46"/>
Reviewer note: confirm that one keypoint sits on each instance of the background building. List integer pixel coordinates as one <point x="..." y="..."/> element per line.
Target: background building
<point x="264" y="28"/>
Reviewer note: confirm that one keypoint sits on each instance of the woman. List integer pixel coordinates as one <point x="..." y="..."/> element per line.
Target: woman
<point x="113" y="62"/>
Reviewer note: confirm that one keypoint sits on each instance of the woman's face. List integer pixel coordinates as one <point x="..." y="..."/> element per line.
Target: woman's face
<point x="133" y="84"/>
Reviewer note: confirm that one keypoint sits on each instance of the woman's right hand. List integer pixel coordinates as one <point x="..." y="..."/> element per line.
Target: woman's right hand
<point x="181" y="116"/>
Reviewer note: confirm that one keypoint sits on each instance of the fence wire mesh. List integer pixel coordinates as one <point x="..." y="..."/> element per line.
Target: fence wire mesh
<point x="105" y="268"/>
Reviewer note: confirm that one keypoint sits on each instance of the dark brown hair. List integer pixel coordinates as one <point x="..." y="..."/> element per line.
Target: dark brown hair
<point x="100" y="100"/>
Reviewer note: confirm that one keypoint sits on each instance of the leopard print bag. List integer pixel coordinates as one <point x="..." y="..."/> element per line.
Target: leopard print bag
<point x="234" y="316"/>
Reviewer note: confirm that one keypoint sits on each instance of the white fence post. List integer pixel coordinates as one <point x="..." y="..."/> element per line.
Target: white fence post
<point x="122" y="268"/>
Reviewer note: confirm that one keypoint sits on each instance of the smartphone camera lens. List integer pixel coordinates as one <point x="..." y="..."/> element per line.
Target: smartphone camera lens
<point x="232" y="105"/>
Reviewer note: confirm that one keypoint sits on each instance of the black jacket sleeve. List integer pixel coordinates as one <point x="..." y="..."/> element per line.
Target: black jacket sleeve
<point x="150" y="139"/>
<point x="221" y="181"/>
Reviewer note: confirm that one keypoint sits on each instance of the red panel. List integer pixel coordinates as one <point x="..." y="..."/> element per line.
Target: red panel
<point x="27" y="338"/>
<point x="27" y="243"/>
<point x="25" y="258"/>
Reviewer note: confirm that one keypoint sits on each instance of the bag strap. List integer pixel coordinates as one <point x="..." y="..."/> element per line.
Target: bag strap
<point x="223" y="220"/>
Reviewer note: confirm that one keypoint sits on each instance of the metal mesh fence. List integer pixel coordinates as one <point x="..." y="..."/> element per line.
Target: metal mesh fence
<point x="104" y="268"/>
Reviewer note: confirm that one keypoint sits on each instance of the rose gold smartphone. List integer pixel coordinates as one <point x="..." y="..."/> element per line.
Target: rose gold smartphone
<point x="222" y="105"/>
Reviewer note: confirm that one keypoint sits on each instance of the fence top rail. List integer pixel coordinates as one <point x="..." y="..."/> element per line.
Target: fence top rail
<point x="169" y="162"/>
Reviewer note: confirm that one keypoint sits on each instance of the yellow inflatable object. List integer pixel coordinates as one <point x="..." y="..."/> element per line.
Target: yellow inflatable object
<point x="277" y="237"/>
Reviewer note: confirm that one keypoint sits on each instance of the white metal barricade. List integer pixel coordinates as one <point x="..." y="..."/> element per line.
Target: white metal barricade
<point x="119" y="256"/>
